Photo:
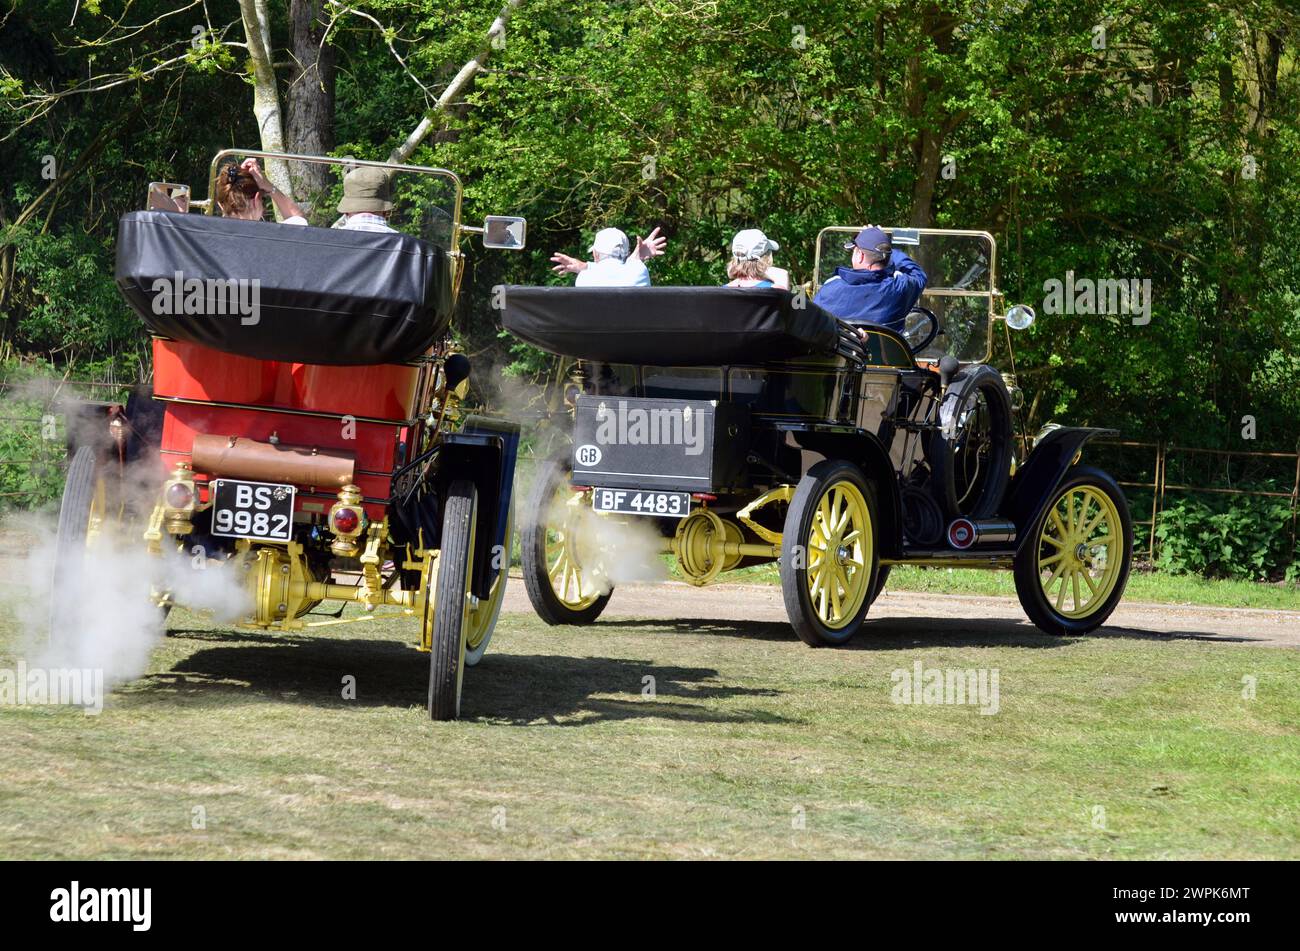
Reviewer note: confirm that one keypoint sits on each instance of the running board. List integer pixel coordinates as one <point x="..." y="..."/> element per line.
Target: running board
<point x="945" y="558"/>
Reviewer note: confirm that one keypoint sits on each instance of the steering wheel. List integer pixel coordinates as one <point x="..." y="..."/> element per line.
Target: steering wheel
<point x="920" y="323"/>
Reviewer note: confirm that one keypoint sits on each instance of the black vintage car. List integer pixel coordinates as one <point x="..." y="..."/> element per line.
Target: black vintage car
<point x="748" y="425"/>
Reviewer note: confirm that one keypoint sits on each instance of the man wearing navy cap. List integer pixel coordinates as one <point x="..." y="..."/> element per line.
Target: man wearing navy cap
<point x="880" y="288"/>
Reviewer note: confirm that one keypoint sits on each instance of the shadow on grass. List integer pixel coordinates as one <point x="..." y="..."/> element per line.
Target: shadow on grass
<point x="908" y="633"/>
<point x="522" y="689"/>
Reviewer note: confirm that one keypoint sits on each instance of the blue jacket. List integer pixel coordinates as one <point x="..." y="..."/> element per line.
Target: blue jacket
<point x="874" y="297"/>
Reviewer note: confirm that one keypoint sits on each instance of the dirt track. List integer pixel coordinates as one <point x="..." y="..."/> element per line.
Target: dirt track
<point x="904" y="612"/>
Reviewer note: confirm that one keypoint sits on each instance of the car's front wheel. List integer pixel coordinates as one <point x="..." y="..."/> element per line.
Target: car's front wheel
<point x="1071" y="572"/>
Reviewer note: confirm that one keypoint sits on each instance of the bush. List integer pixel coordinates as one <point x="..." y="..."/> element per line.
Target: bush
<point x="32" y="441"/>
<point x="1228" y="536"/>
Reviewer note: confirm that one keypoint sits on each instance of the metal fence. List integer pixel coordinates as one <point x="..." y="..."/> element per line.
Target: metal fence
<point x="1161" y="454"/>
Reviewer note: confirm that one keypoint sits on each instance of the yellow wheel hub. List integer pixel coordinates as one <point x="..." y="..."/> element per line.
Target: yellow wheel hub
<point x="700" y="544"/>
<point x="1078" y="554"/>
<point x="839" y="554"/>
<point x="567" y="552"/>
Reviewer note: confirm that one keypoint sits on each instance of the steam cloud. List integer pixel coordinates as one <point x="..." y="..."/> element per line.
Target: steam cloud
<point x="110" y="621"/>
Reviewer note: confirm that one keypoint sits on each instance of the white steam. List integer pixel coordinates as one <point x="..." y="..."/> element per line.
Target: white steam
<point x="108" y="618"/>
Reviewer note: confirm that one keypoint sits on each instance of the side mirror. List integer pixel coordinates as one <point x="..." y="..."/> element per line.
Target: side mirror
<point x="1020" y="317"/>
<point x="168" y="196"/>
<point x="504" y="232"/>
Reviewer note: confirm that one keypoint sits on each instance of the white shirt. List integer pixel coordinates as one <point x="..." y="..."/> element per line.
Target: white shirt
<point x="611" y="272"/>
<point x="294" y="220"/>
<point x="365" y="221"/>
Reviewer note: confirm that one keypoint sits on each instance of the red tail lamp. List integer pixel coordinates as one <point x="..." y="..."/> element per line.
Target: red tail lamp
<point x="179" y="495"/>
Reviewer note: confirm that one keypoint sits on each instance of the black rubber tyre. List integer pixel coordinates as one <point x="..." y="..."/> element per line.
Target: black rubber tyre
<point x="965" y="482"/>
<point x="70" y="545"/>
<point x="447" y="604"/>
<point x="1028" y="568"/>
<point x="882" y="575"/>
<point x="802" y="520"/>
<point x="551" y="476"/>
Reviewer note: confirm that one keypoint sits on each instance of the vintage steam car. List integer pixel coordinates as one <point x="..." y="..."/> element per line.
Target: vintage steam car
<point x="312" y="446"/>
<point x="748" y="425"/>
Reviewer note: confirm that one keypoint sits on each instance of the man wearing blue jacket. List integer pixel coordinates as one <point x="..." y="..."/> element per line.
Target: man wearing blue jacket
<point x="880" y="287"/>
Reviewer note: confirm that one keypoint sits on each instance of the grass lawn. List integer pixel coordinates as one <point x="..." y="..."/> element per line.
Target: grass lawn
<point x="1153" y="586"/>
<point x="752" y="745"/>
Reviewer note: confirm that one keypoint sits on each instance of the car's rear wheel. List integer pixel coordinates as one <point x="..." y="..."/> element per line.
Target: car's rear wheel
<point x="80" y="514"/>
<point x="561" y="570"/>
<point x="447" y="605"/>
<point x="1071" y="572"/>
<point x="830" y="558"/>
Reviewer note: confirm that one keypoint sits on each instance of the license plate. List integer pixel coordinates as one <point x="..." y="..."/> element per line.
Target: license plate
<point x="636" y="502"/>
<point x="262" y="510"/>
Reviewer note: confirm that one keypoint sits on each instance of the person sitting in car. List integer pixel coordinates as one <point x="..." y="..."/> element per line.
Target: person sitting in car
<point x="882" y="285"/>
<point x="751" y="262"/>
<point x="612" y="263"/>
<point x="367" y="200"/>
<point x="241" y="193"/>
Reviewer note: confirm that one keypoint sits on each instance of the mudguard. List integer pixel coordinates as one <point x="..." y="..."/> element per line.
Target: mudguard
<point x="484" y="451"/>
<point x="1035" y="483"/>
<point x="867" y="451"/>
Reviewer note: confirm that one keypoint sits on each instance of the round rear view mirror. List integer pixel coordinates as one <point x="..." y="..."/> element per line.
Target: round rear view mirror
<point x="1020" y="317"/>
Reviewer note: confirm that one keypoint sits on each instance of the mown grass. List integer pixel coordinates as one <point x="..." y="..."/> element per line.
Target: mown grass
<point x="1156" y="587"/>
<point x="750" y="745"/>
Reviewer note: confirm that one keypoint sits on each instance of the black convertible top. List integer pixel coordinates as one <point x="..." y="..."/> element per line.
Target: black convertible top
<point x="670" y="326"/>
<point x="324" y="295"/>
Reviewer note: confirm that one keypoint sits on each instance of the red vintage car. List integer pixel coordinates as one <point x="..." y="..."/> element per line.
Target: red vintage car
<point x="303" y="431"/>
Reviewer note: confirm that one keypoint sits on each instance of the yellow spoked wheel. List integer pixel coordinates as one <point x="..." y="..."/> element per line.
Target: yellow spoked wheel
<point x="829" y="559"/>
<point x="1072" y="570"/>
<point x="561" y="568"/>
<point x="483" y="612"/>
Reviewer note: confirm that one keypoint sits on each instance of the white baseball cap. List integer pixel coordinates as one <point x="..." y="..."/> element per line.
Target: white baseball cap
<point x="752" y="245"/>
<point x="610" y="241"/>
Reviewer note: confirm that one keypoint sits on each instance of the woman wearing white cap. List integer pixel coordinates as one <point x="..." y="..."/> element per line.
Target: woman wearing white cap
<point x="751" y="261"/>
<point x="612" y="263"/>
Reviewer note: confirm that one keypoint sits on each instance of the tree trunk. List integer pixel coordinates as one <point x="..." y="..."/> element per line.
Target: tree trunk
<point x="266" y="97"/>
<point x="309" y="100"/>
<point x="924" y="98"/>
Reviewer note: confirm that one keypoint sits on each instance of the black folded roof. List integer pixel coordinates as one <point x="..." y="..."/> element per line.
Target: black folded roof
<point x="323" y="295"/>
<point x="669" y="326"/>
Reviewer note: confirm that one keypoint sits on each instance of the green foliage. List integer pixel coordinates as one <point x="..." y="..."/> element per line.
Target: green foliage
<point x="32" y="436"/>
<point x="1228" y="536"/>
<point x="70" y="305"/>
